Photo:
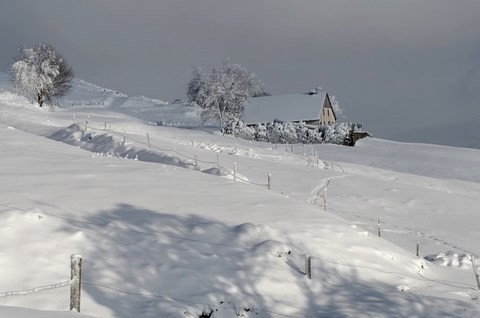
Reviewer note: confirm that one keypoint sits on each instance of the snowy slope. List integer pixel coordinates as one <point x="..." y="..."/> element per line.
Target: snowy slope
<point x="163" y="236"/>
<point x="153" y="111"/>
<point x="15" y="312"/>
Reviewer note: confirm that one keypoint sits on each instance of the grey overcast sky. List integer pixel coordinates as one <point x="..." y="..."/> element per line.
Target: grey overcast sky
<point x="407" y="69"/>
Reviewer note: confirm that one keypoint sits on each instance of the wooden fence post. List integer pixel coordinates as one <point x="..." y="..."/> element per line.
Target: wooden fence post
<point x="379" y="232"/>
<point x="325" y="199"/>
<point x="148" y="140"/>
<point x="418" y="249"/>
<point x="86" y="125"/>
<point x="308" y="266"/>
<point x="218" y="162"/>
<point x="76" y="275"/>
<point x="234" y="171"/>
<point x="269" y="184"/>
<point x="196" y="161"/>
<point x="475" y="271"/>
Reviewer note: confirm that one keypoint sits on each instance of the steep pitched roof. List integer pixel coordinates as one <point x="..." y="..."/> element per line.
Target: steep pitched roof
<point x="329" y="105"/>
<point x="295" y="107"/>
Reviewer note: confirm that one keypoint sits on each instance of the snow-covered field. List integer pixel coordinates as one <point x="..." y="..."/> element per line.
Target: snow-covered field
<point x="165" y="233"/>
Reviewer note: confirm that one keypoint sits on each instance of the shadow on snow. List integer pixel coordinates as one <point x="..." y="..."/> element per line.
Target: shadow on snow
<point x="144" y="263"/>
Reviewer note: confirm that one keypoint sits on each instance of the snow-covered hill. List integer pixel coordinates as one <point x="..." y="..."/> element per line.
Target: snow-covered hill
<point x="176" y="222"/>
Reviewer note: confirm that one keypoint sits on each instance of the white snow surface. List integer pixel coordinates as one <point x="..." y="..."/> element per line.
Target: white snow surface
<point x="294" y="107"/>
<point x="169" y="231"/>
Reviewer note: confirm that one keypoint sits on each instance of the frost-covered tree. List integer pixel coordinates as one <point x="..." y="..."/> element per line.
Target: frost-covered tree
<point x="336" y="107"/>
<point x="41" y="73"/>
<point x="223" y="92"/>
<point x="195" y="84"/>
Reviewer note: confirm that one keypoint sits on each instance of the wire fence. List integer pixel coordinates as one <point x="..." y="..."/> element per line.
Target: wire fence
<point x="190" y="302"/>
<point x="74" y="221"/>
<point x="419" y="276"/>
<point x="37" y="289"/>
<point x="77" y="222"/>
<point x="194" y="160"/>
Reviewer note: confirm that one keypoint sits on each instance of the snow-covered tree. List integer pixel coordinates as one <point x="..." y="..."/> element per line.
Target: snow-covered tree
<point x="41" y="73"/>
<point x="196" y="82"/>
<point x="336" y="107"/>
<point x="223" y="92"/>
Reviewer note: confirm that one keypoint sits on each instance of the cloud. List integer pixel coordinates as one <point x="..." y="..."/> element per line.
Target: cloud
<point x="390" y="63"/>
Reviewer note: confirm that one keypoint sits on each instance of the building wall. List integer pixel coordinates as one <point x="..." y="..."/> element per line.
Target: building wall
<point x="312" y="122"/>
<point x="326" y="116"/>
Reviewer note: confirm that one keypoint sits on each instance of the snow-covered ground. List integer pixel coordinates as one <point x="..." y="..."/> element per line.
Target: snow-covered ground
<point x="182" y="222"/>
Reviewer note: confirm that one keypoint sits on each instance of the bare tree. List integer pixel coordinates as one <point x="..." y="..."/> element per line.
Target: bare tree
<point x="41" y="73"/>
<point x="223" y="92"/>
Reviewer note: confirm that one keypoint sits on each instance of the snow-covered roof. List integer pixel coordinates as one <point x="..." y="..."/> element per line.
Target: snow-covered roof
<point x="295" y="107"/>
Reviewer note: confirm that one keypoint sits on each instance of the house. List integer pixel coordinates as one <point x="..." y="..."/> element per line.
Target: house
<point x="312" y="108"/>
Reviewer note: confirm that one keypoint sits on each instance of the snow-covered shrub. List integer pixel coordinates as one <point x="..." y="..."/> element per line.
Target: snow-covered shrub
<point x="338" y="134"/>
<point x="288" y="132"/>
<point x="261" y="132"/>
<point x="41" y="73"/>
<point x="302" y="133"/>
<point x="245" y="132"/>
<point x="329" y="134"/>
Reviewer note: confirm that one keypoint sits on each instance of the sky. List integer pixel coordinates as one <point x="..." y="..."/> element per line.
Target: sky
<point x="408" y="70"/>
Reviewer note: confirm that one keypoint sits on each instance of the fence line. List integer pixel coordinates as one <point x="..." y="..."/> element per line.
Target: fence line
<point x="38" y="289"/>
<point x="156" y="234"/>
<point x="374" y="223"/>
<point x="192" y="302"/>
<point x="308" y="267"/>
<point x="174" y="151"/>
<point x="217" y="244"/>
<point x="253" y="308"/>
<point x="168" y="150"/>
<point x="290" y="253"/>
<point x="241" y="179"/>
<point x="420" y="277"/>
<point x="210" y="306"/>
